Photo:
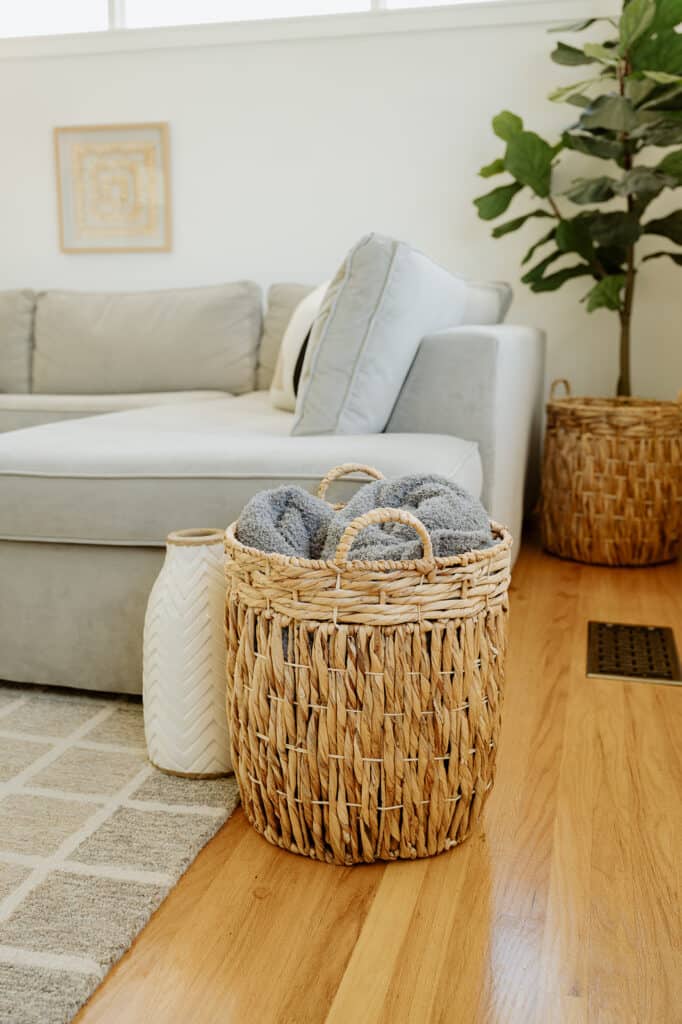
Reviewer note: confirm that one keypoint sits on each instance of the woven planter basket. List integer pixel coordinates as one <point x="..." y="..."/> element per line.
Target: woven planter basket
<point x="612" y="479"/>
<point x="364" y="697"/>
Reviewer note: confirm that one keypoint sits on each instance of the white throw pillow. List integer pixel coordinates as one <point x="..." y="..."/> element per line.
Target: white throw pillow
<point x="288" y="368"/>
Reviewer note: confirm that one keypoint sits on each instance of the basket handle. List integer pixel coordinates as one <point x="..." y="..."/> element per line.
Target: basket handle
<point x="383" y="515"/>
<point x="555" y="385"/>
<point x="343" y="470"/>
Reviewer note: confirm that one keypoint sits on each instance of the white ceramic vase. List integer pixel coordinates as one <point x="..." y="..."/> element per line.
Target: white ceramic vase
<point x="184" y="686"/>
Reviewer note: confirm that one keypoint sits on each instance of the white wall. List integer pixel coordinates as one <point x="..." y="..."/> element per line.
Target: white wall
<point x="284" y="152"/>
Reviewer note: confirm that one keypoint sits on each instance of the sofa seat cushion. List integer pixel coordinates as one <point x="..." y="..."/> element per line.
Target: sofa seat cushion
<point x="19" y="411"/>
<point x="131" y="477"/>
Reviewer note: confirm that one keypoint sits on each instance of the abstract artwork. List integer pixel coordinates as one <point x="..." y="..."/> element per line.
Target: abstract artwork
<point x="113" y="188"/>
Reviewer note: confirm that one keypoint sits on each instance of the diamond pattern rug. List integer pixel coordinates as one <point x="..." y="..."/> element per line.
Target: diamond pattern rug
<point x="92" y="838"/>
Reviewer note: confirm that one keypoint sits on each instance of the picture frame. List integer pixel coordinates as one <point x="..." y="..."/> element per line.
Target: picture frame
<point x="113" y="188"/>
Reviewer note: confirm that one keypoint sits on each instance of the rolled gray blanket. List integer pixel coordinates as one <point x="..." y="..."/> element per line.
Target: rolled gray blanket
<point x="286" y="520"/>
<point x="456" y="521"/>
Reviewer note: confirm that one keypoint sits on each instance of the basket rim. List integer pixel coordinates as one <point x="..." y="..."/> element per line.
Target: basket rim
<point x="384" y="565"/>
<point x="615" y="403"/>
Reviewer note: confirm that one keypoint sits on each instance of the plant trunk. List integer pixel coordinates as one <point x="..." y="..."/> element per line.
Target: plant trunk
<point x="624" y="379"/>
<point x="624" y="382"/>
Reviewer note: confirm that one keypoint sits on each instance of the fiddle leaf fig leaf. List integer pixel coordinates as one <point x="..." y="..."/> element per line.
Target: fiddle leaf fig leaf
<point x="612" y="258"/>
<point x="662" y="102"/>
<point x="670" y="227"/>
<point x="601" y="53"/>
<point x="661" y="133"/>
<point x="574" y="236"/>
<point x="535" y="273"/>
<point x="662" y="77"/>
<point x="661" y="51"/>
<point x="575" y="26"/>
<point x="615" y="113"/>
<point x="672" y="165"/>
<point x="517" y="222"/>
<point x="554" y="281"/>
<point x="551" y="234"/>
<point x="615" y="228"/>
<point x="644" y="181"/>
<point x="639" y="89"/>
<point x="570" y="55"/>
<point x="506" y="125"/>
<point x="591" y="190"/>
<point x="496" y="167"/>
<point x="674" y="256"/>
<point x="594" y="145"/>
<point x="606" y="293"/>
<point x="636" y="18"/>
<point x="529" y="160"/>
<point x="668" y="14"/>
<point x="578" y="100"/>
<point x="565" y="92"/>
<point x="492" y="204"/>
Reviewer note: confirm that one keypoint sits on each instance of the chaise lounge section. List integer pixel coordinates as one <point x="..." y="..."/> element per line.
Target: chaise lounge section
<point x="86" y="503"/>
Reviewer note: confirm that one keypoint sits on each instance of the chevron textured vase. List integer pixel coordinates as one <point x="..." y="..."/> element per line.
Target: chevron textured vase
<point x="184" y="659"/>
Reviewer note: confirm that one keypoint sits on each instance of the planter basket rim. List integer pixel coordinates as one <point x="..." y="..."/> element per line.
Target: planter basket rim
<point x="616" y="402"/>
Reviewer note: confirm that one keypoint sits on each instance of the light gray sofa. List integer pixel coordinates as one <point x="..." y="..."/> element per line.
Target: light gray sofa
<point x="165" y="422"/>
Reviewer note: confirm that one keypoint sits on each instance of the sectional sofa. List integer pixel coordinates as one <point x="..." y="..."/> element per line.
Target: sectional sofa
<point x="127" y="416"/>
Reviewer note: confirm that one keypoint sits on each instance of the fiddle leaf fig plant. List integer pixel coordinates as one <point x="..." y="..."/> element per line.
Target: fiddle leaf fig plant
<point x="628" y="114"/>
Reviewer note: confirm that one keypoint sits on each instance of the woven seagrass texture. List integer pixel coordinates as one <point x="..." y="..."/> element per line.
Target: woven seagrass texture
<point x="612" y="480"/>
<point x="364" y="698"/>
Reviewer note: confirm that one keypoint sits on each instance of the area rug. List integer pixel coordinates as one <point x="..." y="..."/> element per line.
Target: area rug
<point x="92" y="838"/>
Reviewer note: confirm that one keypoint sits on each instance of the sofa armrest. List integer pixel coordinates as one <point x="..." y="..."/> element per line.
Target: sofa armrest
<point x="483" y="384"/>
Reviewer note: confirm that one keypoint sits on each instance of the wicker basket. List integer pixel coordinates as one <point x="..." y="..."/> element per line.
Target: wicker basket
<point x="612" y="479"/>
<point x="364" y="697"/>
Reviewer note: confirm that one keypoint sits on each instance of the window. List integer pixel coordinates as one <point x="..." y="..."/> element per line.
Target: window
<point x="61" y="17"/>
<point x="52" y="17"/>
<point x="145" y="13"/>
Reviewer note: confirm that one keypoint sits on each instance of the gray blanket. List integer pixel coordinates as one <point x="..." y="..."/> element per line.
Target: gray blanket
<point x="286" y="520"/>
<point x="455" y="520"/>
<point x="290" y="521"/>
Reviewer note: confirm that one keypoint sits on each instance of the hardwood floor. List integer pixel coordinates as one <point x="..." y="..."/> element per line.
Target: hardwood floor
<point x="564" y="908"/>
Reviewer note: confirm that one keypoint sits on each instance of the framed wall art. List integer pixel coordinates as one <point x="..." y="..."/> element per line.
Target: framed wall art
<point x="113" y="188"/>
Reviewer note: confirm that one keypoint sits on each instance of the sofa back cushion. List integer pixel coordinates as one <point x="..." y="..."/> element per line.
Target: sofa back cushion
<point x="384" y="299"/>
<point x="16" y="328"/>
<point x="282" y="301"/>
<point x="181" y="339"/>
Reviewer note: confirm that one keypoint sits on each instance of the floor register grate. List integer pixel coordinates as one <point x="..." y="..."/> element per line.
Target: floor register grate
<point x="641" y="654"/>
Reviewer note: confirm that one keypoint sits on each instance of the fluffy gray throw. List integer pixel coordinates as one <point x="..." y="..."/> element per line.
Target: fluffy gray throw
<point x="286" y="520"/>
<point x="293" y="522"/>
<point x="455" y="520"/>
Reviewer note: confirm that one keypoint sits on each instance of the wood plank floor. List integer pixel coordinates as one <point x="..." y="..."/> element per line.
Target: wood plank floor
<point x="565" y="907"/>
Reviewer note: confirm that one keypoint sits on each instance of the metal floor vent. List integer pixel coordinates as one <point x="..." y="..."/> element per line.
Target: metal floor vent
<point x="639" y="654"/>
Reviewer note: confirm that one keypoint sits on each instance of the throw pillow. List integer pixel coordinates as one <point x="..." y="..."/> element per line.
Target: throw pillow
<point x="384" y="298"/>
<point x="293" y="350"/>
<point x="282" y="301"/>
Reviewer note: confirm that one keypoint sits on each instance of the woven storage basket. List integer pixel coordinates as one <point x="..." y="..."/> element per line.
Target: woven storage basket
<point x="364" y="697"/>
<point x="612" y="479"/>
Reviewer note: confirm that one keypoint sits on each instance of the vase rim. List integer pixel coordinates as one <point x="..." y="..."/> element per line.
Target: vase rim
<point x="195" y="537"/>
